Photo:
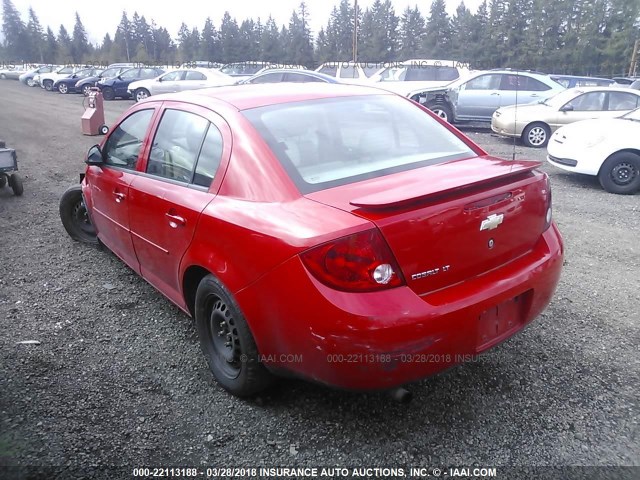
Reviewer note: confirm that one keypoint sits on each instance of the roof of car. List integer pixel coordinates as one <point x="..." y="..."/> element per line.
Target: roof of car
<point x="311" y="73"/>
<point x="243" y="97"/>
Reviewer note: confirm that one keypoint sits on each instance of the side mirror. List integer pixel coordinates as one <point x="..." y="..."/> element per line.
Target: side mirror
<point x="159" y="79"/>
<point x="94" y="156"/>
<point x="567" y="108"/>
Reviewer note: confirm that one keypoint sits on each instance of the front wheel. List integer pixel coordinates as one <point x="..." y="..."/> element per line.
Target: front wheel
<point x="536" y="135"/>
<point x="75" y="217"/>
<point x="227" y="342"/>
<point x="62" y="88"/>
<point x="108" y="93"/>
<point x="30" y="82"/>
<point x="620" y="173"/>
<point x="141" y="94"/>
<point x="15" y="182"/>
<point x="443" y="111"/>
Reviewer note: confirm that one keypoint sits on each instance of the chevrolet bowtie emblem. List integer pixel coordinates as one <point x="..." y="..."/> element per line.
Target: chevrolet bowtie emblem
<point x="492" y="222"/>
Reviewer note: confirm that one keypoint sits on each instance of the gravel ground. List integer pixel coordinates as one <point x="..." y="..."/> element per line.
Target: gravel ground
<point x="118" y="378"/>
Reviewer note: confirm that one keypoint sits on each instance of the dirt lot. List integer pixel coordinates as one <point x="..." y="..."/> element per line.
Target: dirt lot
<point x="118" y="378"/>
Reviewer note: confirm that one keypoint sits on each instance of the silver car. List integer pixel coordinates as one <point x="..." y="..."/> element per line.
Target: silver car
<point x="178" y="81"/>
<point x="476" y="97"/>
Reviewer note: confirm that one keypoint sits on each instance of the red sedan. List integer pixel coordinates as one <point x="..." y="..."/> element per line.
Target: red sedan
<point x="337" y="233"/>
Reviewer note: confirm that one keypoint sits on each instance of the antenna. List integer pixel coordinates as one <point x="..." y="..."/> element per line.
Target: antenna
<point x="515" y="116"/>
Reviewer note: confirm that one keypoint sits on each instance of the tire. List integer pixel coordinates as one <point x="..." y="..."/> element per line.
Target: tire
<point x="3" y="180"/>
<point x="30" y="82"/>
<point x="62" y="88"/>
<point x="85" y="89"/>
<point x="75" y="217"/>
<point x="620" y="173"/>
<point x="226" y="341"/>
<point x="140" y="94"/>
<point x="104" y="130"/>
<point x="536" y="135"/>
<point x="442" y="110"/>
<point x="108" y="93"/>
<point x="3" y="76"/>
<point x="48" y="85"/>
<point x="15" y="182"/>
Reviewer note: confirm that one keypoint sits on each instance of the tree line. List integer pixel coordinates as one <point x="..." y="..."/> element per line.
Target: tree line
<point x="583" y="37"/>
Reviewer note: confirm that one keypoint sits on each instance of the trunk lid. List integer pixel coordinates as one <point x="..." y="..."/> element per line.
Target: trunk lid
<point x="449" y="222"/>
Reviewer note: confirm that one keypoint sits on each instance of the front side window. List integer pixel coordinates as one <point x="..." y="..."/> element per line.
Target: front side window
<point x="130" y="74"/>
<point x="124" y="144"/>
<point x="191" y="75"/>
<point x="588" y="102"/>
<point x="330" y="142"/>
<point x="66" y="70"/>
<point x="172" y="76"/>
<point x="149" y="73"/>
<point x="331" y="70"/>
<point x="176" y="145"/>
<point x="484" y="82"/>
<point x="267" y="78"/>
<point x="300" y="78"/>
<point x="349" y="71"/>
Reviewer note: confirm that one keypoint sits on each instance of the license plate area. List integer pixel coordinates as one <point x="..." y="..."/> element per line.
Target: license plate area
<point x="500" y="322"/>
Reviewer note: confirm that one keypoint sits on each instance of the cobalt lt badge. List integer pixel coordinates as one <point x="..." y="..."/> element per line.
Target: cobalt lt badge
<point x="491" y="222"/>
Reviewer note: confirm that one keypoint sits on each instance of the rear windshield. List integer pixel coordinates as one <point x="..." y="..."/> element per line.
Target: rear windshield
<point x="331" y="142"/>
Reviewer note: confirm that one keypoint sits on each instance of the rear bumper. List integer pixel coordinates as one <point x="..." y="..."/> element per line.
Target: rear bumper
<point x="384" y="339"/>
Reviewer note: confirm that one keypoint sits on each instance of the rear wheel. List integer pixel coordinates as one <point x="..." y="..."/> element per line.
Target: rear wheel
<point x="86" y="89"/>
<point x="141" y="94"/>
<point x="3" y="76"/>
<point x="62" y="88"/>
<point x="48" y="85"/>
<point x="536" y="135"/>
<point x="30" y="82"/>
<point x="227" y="342"/>
<point x="3" y="180"/>
<point x="75" y="218"/>
<point x="108" y="93"/>
<point x="620" y="173"/>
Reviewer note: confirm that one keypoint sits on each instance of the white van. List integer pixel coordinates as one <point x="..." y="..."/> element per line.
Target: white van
<point x="350" y="72"/>
<point x="410" y="75"/>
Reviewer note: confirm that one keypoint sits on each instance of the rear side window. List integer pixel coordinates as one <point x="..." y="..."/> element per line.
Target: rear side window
<point x="176" y="145"/>
<point x="330" y="142"/>
<point x="209" y="159"/>
<point x="430" y="73"/>
<point x="123" y="146"/>
<point x="349" y="71"/>
<point x="300" y="78"/>
<point x="622" y="101"/>
<point x="267" y="78"/>
<point x="330" y="70"/>
<point x="194" y="76"/>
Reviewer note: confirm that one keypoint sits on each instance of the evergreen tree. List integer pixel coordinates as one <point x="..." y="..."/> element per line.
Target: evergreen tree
<point x="462" y="33"/>
<point x="299" y="42"/>
<point x="123" y="39"/>
<point x="271" y="49"/>
<point x="50" y="46"/>
<point x="412" y="31"/>
<point x="229" y="39"/>
<point x="65" y="47"/>
<point x="36" y="37"/>
<point x="437" y="43"/>
<point x="80" y="47"/>
<point x="16" y="37"/>
<point x="209" y="42"/>
<point x="378" y="40"/>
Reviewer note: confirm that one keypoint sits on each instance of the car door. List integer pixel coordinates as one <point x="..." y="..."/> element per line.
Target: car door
<point x="192" y="81"/>
<point x="583" y="107"/>
<point x="121" y="83"/>
<point x="478" y="98"/>
<point x="168" y="83"/>
<point x="520" y="89"/>
<point x="167" y="200"/>
<point x="110" y="182"/>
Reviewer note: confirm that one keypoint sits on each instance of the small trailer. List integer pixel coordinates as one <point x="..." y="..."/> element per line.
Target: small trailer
<point x="9" y="164"/>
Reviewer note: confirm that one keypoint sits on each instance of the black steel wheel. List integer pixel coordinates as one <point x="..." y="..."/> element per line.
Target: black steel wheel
<point x="227" y="342"/>
<point x="108" y="93"/>
<point x="620" y="173"/>
<point x="75" y="217"/>
<point x="15" y="182"/>
<point x="3" y="180"/>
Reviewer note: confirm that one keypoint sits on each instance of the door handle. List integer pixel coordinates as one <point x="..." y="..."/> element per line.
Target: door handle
<point x="534" y="95"/>
<point x="495" y="93"/>
<point x="119" y="196"/>
<point x="175" y="221"/>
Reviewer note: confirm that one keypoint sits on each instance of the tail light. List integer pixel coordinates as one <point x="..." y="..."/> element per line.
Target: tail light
<point x="548" y="206"/>
<point x="361" y="262"/>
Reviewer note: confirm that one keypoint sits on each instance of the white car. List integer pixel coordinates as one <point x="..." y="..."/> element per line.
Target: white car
<point x="46" y="80"/>
<point x="608" y="148"/>
<point x="178" y="81"/>
<point x="243" y="70"/>
<point x="411" y="75"/>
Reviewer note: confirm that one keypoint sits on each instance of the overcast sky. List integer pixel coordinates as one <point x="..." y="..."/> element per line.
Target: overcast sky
<point x="103" y="16"/>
